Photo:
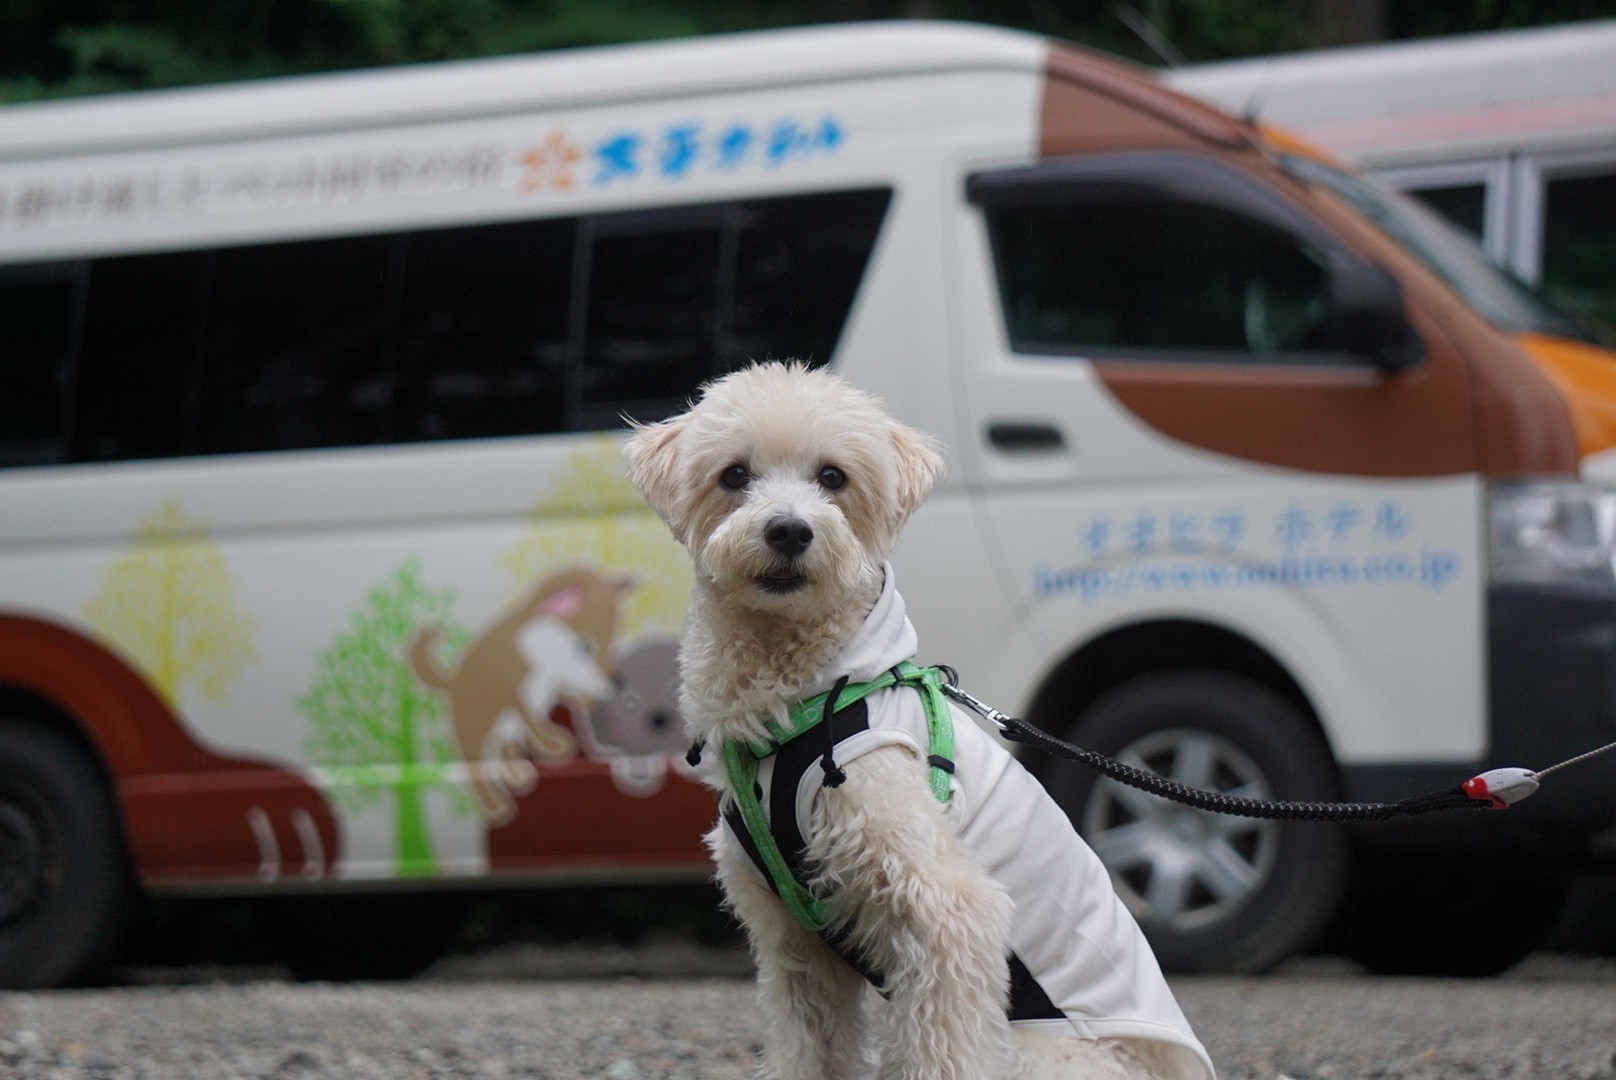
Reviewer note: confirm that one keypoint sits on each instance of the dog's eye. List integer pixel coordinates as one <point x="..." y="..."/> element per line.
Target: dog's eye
<point x="735" y="477"/>
<point x="832" y="479"/>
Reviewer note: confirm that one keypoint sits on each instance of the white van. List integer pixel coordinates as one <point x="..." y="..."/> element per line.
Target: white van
<point x="1511" y="134"/>
<point x="319" y="573"/>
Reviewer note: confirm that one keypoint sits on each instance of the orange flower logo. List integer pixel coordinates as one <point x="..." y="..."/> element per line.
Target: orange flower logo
<point x="550" y="165"/>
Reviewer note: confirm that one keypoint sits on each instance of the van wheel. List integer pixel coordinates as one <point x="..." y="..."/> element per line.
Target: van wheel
<point x="1213" y="893"/>
<point x="63" y="888"/>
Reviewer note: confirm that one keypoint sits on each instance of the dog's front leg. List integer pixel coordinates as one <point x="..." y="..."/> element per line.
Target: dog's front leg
<point x="809" y="997"/>
<point x="935" y="923"/>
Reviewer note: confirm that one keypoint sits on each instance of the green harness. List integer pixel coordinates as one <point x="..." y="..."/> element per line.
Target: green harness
<point x="741" y="761"/>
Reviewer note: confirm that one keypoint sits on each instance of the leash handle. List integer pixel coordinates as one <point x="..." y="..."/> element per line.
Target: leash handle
<point x="1501" y="788"/>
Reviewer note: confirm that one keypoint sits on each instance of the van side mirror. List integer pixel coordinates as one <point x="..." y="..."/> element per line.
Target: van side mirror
<point x="1367" y="317"/>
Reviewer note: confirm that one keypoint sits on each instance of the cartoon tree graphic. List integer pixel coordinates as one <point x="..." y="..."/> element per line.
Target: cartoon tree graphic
<point x="170" y="605"/>
<point x="373" y="722"/>
<point x="593" y="514"/>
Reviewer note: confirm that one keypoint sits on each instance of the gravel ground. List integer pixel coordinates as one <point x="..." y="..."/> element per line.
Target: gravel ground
<point x="677" y="1013"/>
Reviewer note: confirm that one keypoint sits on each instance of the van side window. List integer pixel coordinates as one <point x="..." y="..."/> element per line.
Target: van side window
<point x="138" y="359"/>
<point x="484" y="330"/>
<point x="507" y="328"/>
<point x="798" y="266"/>
<point x="1162" y="255"/>
<point x="298" y="347"/>
<point x="651" y="329"/>
<point x="1463" y="204"/>
<point x="1579" y="245"/>
<point x="676" y="297"/>
<point x="37" y="314"/>
<point x="1149" y="274"/>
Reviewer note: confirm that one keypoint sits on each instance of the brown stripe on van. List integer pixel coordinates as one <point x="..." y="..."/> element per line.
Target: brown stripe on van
<point x="1475" y="403"/>
<point x="1093" y="103"/>
<point x="1326" y="419"/>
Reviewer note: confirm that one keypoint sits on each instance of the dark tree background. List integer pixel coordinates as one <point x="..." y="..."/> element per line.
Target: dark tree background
<point x="52" y="48"/>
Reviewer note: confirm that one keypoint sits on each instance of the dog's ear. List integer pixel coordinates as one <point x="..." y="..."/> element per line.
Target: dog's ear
<point x="919" y="466"/>
<point x="563" y="603"/>
<point x="652" y="454"/>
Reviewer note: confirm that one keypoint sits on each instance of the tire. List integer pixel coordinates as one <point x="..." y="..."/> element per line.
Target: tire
<point x="1213" y="893"/>
<point x="64" y="882"/>
<point x="1463" y="915"/>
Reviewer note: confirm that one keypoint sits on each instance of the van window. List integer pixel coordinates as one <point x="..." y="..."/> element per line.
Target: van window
<point x="1497" y="295"/>
<point x="37" y="312"/>
<point x="298" y="347"/>
<point x="1463" y="204"/>
<point x="1157" y="277"/>
<point x="506" y="328"/>
<point x="651" y="335"/>
<point x="138" y="359"/>
<point x="1579" y="245"/>
<point x="798" y="263"/>
<point x="483" y="332"/>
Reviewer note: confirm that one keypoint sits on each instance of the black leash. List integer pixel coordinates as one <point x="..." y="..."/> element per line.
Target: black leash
<point x="1496" y="789"/>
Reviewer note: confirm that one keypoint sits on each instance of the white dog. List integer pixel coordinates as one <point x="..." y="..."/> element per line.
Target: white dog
<point x="944" y="873"/>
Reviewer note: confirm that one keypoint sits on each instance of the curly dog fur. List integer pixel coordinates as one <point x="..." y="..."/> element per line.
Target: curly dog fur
<point x="789" y="488"/>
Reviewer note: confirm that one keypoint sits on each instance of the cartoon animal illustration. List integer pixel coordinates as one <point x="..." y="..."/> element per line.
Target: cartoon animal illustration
<point x="638" y="727"/>
<point x="550" y="649"/>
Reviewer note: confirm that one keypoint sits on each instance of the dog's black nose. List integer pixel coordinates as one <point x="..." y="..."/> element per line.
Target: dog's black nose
<point x="789" y="536"/>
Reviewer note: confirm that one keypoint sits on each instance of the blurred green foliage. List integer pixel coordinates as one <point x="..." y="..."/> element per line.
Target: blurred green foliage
<point x="51" y="48"/>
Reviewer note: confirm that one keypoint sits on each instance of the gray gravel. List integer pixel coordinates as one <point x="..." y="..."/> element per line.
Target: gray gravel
<point x="676" y="1012"/>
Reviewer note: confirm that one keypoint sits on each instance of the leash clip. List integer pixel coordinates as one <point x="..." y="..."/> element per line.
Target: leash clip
<point x="951" y="689"/>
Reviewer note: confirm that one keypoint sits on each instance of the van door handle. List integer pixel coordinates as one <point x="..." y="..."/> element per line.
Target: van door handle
<point x="1025" y="437"/>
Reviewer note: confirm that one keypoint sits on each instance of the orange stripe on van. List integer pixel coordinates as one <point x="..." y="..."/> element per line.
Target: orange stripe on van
<point x="1585" y="375"/>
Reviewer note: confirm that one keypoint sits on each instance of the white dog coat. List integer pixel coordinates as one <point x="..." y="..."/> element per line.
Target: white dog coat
<point x="1092" y="972"/>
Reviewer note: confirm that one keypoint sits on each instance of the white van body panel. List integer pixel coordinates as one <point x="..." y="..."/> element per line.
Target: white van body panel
<point x="901" y="346"/>
<point x="304" y="534"/>
<point x="398" y="176"/>
<point x="1368" y="591"/>
<point x="1369" y="626"/>
<point x="533" y="84"/>
<point x="994" y="568"/>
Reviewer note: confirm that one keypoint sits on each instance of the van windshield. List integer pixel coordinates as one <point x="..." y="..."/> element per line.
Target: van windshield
<point x="1498" y="296"/>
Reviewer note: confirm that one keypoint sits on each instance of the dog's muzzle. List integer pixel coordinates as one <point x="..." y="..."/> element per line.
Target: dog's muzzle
<point x="789" y="538"/>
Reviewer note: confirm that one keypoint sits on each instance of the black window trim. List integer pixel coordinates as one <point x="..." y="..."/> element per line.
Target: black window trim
<point x="1165" y="174"/>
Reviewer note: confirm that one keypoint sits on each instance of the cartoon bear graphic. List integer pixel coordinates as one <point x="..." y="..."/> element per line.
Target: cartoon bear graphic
<point x="638" y="728"/>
